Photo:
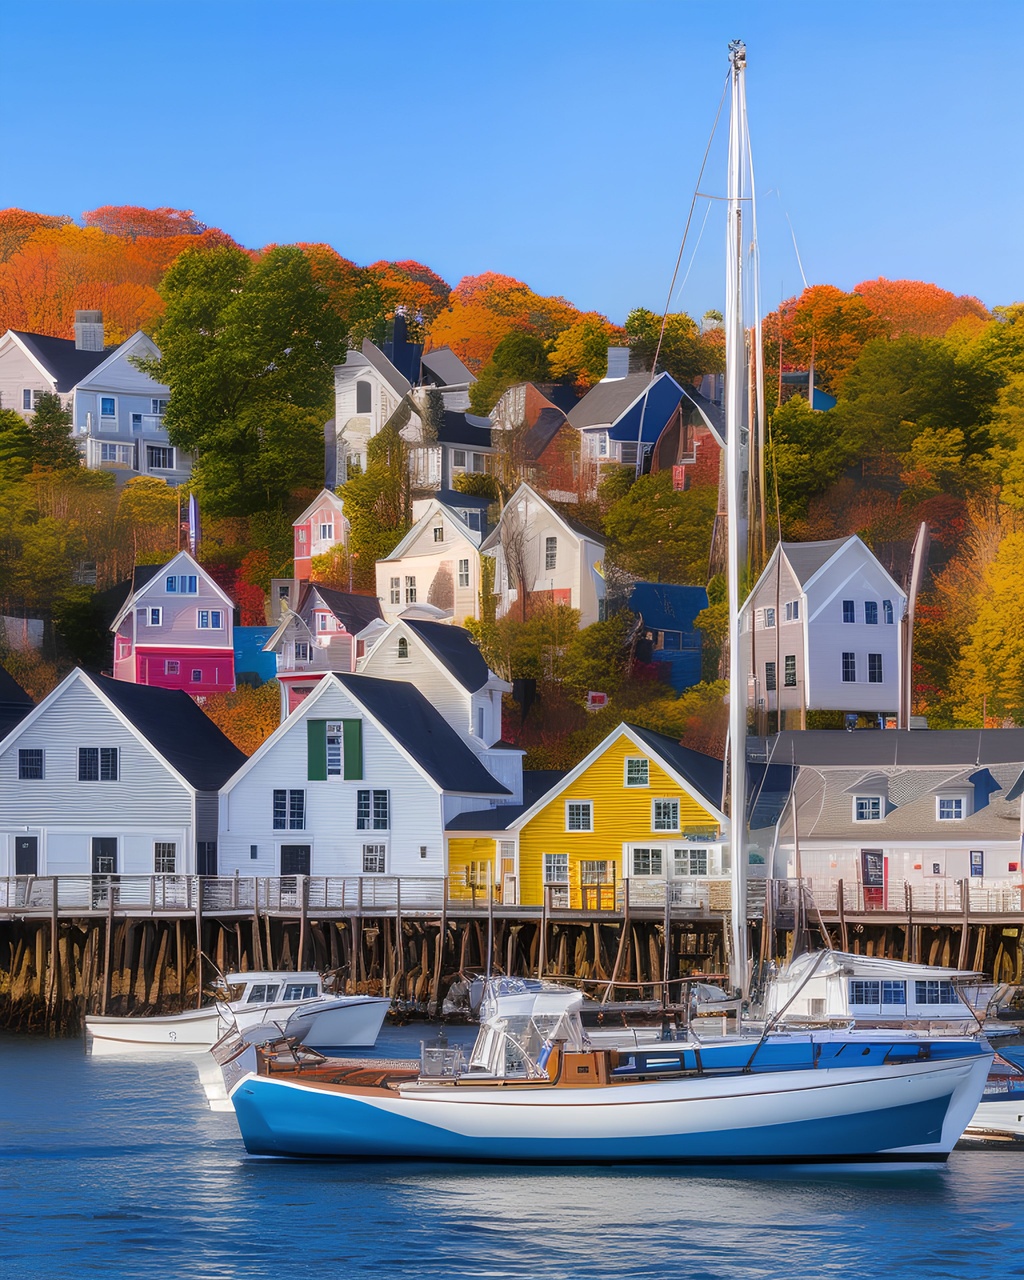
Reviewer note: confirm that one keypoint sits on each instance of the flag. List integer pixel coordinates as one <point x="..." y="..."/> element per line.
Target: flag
<point x="193" y="523"/>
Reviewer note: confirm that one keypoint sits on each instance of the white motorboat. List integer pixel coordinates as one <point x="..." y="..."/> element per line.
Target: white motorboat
<point x="264" y="1005"/>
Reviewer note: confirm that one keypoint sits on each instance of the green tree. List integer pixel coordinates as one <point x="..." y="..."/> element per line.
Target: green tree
<point x="248" y="351"/>
<point x="598" y="656"/>
<point x="659" y="534"/>
<point x="50" y="429"/>
<point x="686" y="353"/>
<point x="16" y="445"/>
<point x="377" y="503"/>
<point x="518" y="357"/>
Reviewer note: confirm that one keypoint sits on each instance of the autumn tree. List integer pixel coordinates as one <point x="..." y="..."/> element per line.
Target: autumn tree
<point x="825" y="324"/>
<point x="990" y="676"/>
<point x="131" y="221"/>
<point x="686" y="353"/>
<point x="913" y="308"/>
<point x="50" y="432"/>
<point x="518" y="357"/>
<point x="147" y="518"/>
<point x="659" y="534"/>
<point x="248" y="716"/>
<point x="579" y="354"/>
<point x="16" y="225"/>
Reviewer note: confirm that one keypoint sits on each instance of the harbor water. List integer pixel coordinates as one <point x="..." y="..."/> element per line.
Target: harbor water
<point x="116" y="1167"/>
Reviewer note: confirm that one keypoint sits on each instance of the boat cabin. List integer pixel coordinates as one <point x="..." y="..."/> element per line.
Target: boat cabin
<point x="268" y="987"/>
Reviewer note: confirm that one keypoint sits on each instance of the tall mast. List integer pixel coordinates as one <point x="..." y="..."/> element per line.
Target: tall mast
<point x="737" y="478"/>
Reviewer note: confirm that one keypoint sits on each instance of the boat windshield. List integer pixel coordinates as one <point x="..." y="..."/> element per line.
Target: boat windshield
<point x="518" y="1044"/>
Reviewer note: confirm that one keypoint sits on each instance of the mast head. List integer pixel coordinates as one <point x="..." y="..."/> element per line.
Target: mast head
<point x="737" y="54"/>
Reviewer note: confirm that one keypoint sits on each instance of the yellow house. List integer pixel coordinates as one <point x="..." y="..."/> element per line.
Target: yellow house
<point x="640" y="807"/>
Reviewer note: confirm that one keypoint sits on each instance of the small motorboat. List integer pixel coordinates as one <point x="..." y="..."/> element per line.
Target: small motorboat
<point x="264" y="1005"/>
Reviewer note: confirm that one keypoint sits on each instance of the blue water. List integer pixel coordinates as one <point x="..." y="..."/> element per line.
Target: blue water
<point x="117" y="1168"/>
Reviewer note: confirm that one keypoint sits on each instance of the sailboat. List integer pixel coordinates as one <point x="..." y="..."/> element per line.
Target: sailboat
<point x="536" y="1089"/>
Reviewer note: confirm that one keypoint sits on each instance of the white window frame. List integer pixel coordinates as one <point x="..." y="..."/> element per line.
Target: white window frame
<point x="373" y="809"/>
<point x="322" y="620"/>
<point x="410" y="589"/>
<point x="210" y="619"/>
<point x="556" y="868"/>
<point x="375" y="859"/>
<point x="106" y="417"/>
<point x="627" y="781"/>
<point x="289" y="822"/>
<point x="158" y="406"/>
<point x="463" y="573"/>
<point x="683" y="860"/>
<point x="585" y="807"/>
<point x="769" y="619"/>
<point x="792" y="610"/>
<point x="439" y="533"/>
<point x="673" y="809"/>
<point x="327" y="532"/>
<point x="656" y="855"/>
<point x="172" y="667"/>
<point x="396" y="590"/>
<point x="161" y="855"/>
<point x="166" y="456"/>
<point x="335" y="734"/>
<point x="154" y="616"/>
<point x="456" y="464"/>
<point x="550" y="554"/>
<point x="30" y="399"/>
<point x="960" y="800"/>
<point x="302" y="656"/>
<point x="874" y="809"/>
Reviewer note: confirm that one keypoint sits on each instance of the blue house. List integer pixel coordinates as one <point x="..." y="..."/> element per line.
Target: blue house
<point x="667" y="613"/>
<point x="624" y="414"/>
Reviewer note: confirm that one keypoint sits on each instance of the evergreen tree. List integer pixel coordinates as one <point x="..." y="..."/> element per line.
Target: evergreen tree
<point x="50" y="430"/>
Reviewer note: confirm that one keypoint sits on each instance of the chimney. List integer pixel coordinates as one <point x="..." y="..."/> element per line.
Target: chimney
<point x="88" y="330"/>
<point x="618" y="364"/>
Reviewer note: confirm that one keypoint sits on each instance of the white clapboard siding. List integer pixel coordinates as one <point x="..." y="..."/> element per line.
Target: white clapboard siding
<point x="440" y="688"/>
<point x="852" y="578"/>
<point x="18" y="372"/>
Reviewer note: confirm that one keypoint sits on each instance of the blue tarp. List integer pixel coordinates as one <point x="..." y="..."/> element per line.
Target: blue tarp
<point x="249" y="656"/>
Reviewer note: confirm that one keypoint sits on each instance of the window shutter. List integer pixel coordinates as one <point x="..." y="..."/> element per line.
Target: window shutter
<point x="316" y="742"/>
<point x="352" y="732"/>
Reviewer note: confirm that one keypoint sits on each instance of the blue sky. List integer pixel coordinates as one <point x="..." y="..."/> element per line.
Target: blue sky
<point x="554" y="140"/>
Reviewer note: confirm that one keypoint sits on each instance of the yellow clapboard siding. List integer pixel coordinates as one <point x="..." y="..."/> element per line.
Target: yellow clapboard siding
<point x="468" y="855"/>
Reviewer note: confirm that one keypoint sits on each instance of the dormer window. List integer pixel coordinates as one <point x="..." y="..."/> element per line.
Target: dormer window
<point x="950" y="808"/>
<point x="439" y="533"/>
<point x="327" y="533"/>
<point x="321" y="622"/>
<point x="867" y="809"/>
<point x="184" y="584"/>
<point x="403" y="647"/>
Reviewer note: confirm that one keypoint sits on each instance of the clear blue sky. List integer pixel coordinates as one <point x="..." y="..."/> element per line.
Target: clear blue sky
<point x="554" y="140"/>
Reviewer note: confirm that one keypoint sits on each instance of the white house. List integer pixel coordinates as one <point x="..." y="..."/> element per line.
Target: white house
<point x="358" y="781"/>
<point x="367" y="391"/>
<point x="542" y="556"/>
<point x="437" y="563"/>
<point x="117" y="411"/>
<point x="175" y="629"/>
<point x="321" y="526"/>
<point x="106" y="778"/>
<point x="823" y="632"/>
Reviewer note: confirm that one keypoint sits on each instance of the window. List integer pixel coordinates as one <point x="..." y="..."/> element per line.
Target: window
<point x="867" y="809"/>
<point x="373" y="810"/>
<point x="602" y="444"/>
<point x="30" y="399"/>
<point x="556" y="868"/>
<point x="463" y="573"/>
<point x="164" y="857"/>
<point x="327" y="533"/>
<point x="109" y="452"/>
<point x="158" y="407"/>
<point x="894" y="991"/>
<point x="793" y="611"/>
<point x="951" y="808"/>
<point x="770" y="682"/>
<point x="769" y="618"/>
<point x="887" y="612"/>
<point x="289" y="810"/>
<point x="690" y="862"/>
<point x="136" y="423"/>
<point x="263" y="993"/>
<point x="172" y="667"/>
<point x="209" y="619"/>
<point x="638" y="771"/>
<point x="159" y="457"/>
<point x="300" y="991"/>
<point x="97" y="764"/>
<point x="874" y="668"/>
<point x="871" y="612"/>
<point x="322" y="620"/>
<point x="935" y="991"/>
<point x="301" y="533"/>
<point x="849" y="668"/>
<point x="301" y="650"/>
<point x="439" y="533"/>
<point x="410" y="591"/>
<point x="459" y="458"/>
<point x="403" y="647"/>
<point x="864" y="992"/>
<point x="374" y="859"/>
<point x="647" y="862"/>
<point x="185" y="584"/>
<point x="977" y="862"/>
<point x="849" y="611"/>
<point x="197" y="675"/>
<point x="480" y="722"/>
<point x="665" y="815"/>
<point x="479" y="462"/>
<point x="108" y="407"/>
<point x="396" y="590"/>
<point x="30" y="763"/>
<point x="594" y="873"/>
<point x="550" y="553"/>
<point x="364" y="397"/>
<point x="579" y="815"/>
<point x="790" y="671"/>
<point x="335" y="749"/>
<point x="154" y="617"/>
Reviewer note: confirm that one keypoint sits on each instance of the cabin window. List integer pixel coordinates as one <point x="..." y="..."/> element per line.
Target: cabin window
<point x="263" y="993"/>
<point x="410" y="591"/>
<point x="172" y="666"/>
<point x="647" y="862"/>
<point x="155" y="617"/>
<point x="396" y="590"/>
<point x="863" y="992"/>
<point x="887" y="611"/>
<point x="209" y="619"/>
<point x="637" y="771"/>
<point x="874" y="668"/>
<point x="550" y="553"/>
<point x="164" y="857"/>
<point x="403" y="647"/>
<point x="289" y="810"/>
<point x="770" y="680"/>
<point x="335" y="748"/>
<point x="301" y="650"/>
<point x="579" y="815"/>
<point x="30" y="763"/>
<point x="690" y="862"/>
<point x="556" y="868"/>
<point x="867" y="809"/>
<point x="793" y="611"/>
<point x="97" y="764"/>
<point x="849" y="668"/>
<point x="374" y="859"/>
<point x="849" y="611"/>
<point x="665" y="815"/>
<point x="950" y="808"/>
<point x="108" y="407"/>
<point x="790" y="671"/>
<point x="871" y="612"/>
<point x="463" y="573"/>
<point x="935" y="991"/>
<point x="364" y="397"/>
<point x="439" y="533"/>
<point x="300" y="991"/>
<point x="373" y="810"/>
<point x="769" y="618"/>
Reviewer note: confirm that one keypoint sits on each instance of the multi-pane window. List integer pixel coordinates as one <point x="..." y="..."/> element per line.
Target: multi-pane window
<point x="327" y="533"/>
<point x="556" y="868"/>
<point x="770" y="682"/>
<point x="790" y="670"/>
<point x="793" y="611"/>
<point x="373" y="810"/>
<point x="164" y="857"/>
<point x="136" y="423"/>
<point x="935" y="991"/>
<point x="594" y="873"/>
<point x="459" y="458"/>
<point x="951" y="808"/>
<point x="154" y="617"/>
<point x="863" y="992"/>
<point x="322" y="621"/>
<point x="550" y="553"/>
<point x="158" y="407"/>
<point x="301" y="650"/>
<point x="289" y="810"/>
<point x="410" y="591"/>
<point x="197" y="675"/>
<point x="172" y="666"/>
<point x="887" y="612"/>
<point x="690" y="862"/>
<point x="769" y="618"/>
<point x="638" y="771"/>
<point x="849" y="611"/>
<point x="396" y="590"/>
<point x="403" y="647"/>
<point x="647" y="862"/>
<point x="30" y="763"/>
<point x="463" y="573"/>
<point x="894" y="991"/>
<point x="97" y="764"/>
<point x="849" y="668"/>
<point x="579" y="815"/>
<point x="209" y="619"/>
<point x="871" y="612"/>
<point x="159" y="457"/>
<point x="439" y="533"/>
<point x="867" y="808"/>
<point x="874" y="668"/>
<point x="301" y="535"/>
<point x="374" y="859"/>
<point x="335" y="749"/>
<point x="665" y="815"/>
<point x="108" y="407"/>
<point x="183" y="584"/>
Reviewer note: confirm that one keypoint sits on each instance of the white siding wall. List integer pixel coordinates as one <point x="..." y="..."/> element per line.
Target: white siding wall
<point x="429" y="562"/>
<point x="440" y="689"/>
<point x="765" y="644"/>
<point x="16" y="373"/>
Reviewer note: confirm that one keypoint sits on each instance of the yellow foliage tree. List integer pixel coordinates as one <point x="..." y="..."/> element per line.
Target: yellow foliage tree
<point x="248" y="716"/>
<point x="990" y="678"/>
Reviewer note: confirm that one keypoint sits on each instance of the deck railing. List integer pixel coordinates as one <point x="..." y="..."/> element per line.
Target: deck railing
<point x="833" y="897"/>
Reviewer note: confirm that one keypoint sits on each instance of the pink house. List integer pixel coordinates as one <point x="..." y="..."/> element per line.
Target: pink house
<point x="321" y="526"/>
<point x="175" y="630"/>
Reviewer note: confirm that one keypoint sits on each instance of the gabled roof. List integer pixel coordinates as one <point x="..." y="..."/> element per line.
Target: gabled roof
<point x="608" y="402"/>
<point x="65" y="363"/>
<point x="423" y="733"/>
<point x="355" y="612"/>
<point x="889" y="748"/>
<point x="704" y="773"/>
<point x="325" y="495"/>
<point x="573" y="526"/>
<point x="434" y="508"/>
<point x="15" y="704"/>
<point x="543" y="431"/>
<point x="806" y="558"/>
<point x="446" y="367"/>
<point x="145" y="575"/>
<point x="385" y="368"/>
<point x="462" y="501"/>
<point x="536" y="783"/>
<point x="456" y="649"/>
<point x="465" y="429"/>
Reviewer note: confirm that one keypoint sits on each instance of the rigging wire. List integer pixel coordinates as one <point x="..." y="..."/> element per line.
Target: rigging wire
<point x="693" y="256"/>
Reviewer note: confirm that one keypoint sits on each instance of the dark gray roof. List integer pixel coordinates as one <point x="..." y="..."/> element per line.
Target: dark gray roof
<point x="605" y="403"/>
<point x="385" y="368"/>
<point x="465" y="429"/>
<point x="62" y="358"/>
<point x="456" y="649"/>
<point x="15" y="704"/>
<point x="446" y="367"/>
<point x="806" y="558"/>
<point x="577" y="526"/>
<point x="536" y="783"/>
<point x="113" y="599"/>
<point x="886" y="748"/>
<point x="180" y="731"/>
<point x="424" y="733"/>
<point x="543" y="431"/>
<point x="704" y="773"/>
<point x="354" y="612"/>
<point x="462" y="501"/>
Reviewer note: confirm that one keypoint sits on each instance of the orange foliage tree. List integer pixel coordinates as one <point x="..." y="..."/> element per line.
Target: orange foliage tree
<point x="579" y="354"/>
<point x="826" y="321"/>
<point x="16" y="225"/>
<point x="912" y="307"/>
<point x="131" y="221"/>
<point x="413" y="286"/>
<point x="248" y="716"/>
